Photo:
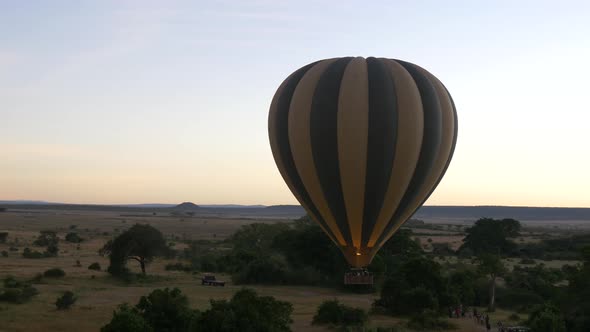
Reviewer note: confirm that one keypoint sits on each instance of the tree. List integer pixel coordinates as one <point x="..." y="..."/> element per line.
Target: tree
<point x="127" y="319"/>
<point x="65" y="301"/>
<point x="491" y="266"/>
<point x="546" y="318"/>
<point x="491" y="236"/>
<point x="247" y="312"/>
<point x="416" y="285"/>
<point x="576" y="305"/>
<point x="335" y="313"/>
<point x="46" y="238"/>
<point x="141" y="243"/>
<point x="256" y="237"/>
<point x="166" y="310"/>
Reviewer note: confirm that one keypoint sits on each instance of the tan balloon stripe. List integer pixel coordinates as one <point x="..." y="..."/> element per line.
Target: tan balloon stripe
<point x="280" y="153"/>
<point x="353" y="126"/>
<point x="409" y="142"/>
<point x="448" y="123"/>
<point x="300" y="141"/>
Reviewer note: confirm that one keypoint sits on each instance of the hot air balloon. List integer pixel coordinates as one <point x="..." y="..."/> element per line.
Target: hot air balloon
<point x="362" y="143"/>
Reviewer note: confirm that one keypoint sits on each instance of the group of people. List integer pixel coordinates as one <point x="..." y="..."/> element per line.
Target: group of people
<point x="461" y="311"/>
<point x="482" y="319"/>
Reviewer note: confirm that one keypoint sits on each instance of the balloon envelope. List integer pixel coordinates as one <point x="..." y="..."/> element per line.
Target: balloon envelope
<point x="362" y="143"/>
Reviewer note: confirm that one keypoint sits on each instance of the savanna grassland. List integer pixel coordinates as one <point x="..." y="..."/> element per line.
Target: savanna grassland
<point x="99" y="293"/>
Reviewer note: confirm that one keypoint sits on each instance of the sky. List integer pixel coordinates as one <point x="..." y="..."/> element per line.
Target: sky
<point x="117" y="102"/>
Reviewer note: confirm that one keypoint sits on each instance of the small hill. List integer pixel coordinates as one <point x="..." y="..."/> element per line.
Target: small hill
<point x="186" y="206"/>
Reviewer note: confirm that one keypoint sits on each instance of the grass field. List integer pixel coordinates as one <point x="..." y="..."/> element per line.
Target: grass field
<point x="99" y="294"/>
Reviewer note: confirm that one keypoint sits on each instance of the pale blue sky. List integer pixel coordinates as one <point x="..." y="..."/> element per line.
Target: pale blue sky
<point x="141" y="101"/>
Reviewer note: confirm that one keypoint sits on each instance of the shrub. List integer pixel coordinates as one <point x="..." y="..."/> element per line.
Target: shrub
<point x="127" y="319"/>
<point x="46" y="238"/>
<point x="429" y="321"/>
<point x="73" y="238"/>
<point x="54" y="273"/>
<point x="3" y="237"/>
<point x="12" y="249"/>
<point x="28" y="253"/>
<point x="51" y="250"/>
<point x="4" y="253"/>
<point x="335" y="313"/>
<point x="65" y="301"/>
<point x="16" y="291"/>
<point x="94" y="266"/>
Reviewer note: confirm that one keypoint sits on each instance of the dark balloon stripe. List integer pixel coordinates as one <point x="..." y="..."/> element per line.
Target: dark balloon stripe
<point x="324" y="141"/>
<point x="430" y="143"/>
<point x="382" y="139"/>
<point x="452" y="151"/>
<point x="282" y="139"/>
<point x="450" y="157"/>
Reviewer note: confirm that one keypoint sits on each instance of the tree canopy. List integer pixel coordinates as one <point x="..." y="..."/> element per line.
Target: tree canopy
<point x="491" y="236"/>
<point x="141" y="243"/>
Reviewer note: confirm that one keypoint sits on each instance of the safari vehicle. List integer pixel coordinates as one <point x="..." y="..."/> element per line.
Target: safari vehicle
<point x="209" y="280"/>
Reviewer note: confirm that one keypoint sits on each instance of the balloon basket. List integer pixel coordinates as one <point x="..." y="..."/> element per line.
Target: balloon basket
<point x="358" y="277"/>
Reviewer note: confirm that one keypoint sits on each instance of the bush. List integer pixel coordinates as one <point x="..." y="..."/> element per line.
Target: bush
<point x="334" y="313"/>
<point x="94" y="266"/>
<point x="12" y="249"/>
<point x="65" y="301"/>
<point x="51" y="251"/>
<point x="28" y="253"/>
<point x="3" y="237"/>
<point x="46" y="238"/>
<point x="73" y="238"/>
<point x="11" y="282"/>
<point x="127" y="319"/>
<point x="429" y="321"/>
<point x="16" y="291"/>
<point x="4" y="253"/>
<point x="54" y="273"/>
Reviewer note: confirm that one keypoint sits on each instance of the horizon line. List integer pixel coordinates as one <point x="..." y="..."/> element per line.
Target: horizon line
<point x="42" y="202"/>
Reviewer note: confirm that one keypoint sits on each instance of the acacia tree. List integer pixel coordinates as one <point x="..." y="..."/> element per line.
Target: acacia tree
<point x="141" y="243"/>
<point x="491" y="236"/>
<point x="492" y="266"/>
